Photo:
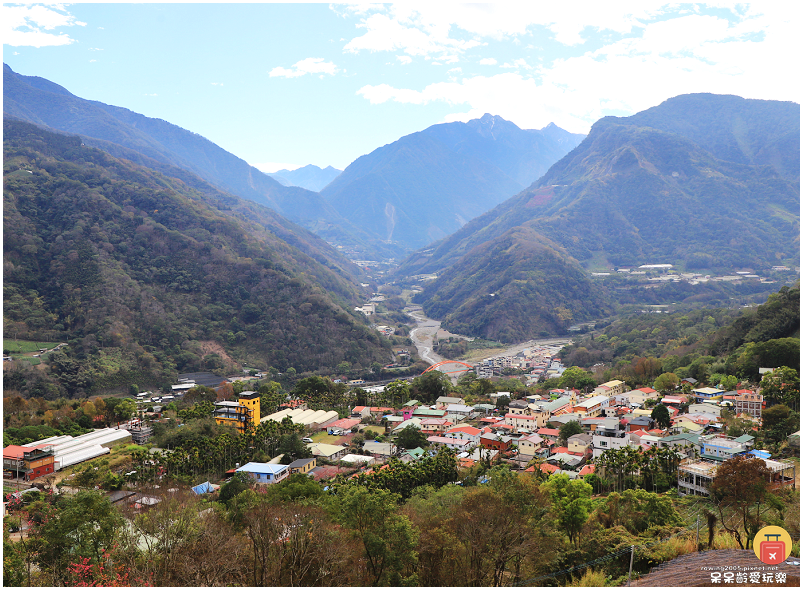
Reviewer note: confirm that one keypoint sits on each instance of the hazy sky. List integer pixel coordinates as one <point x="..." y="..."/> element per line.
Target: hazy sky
<point x="284" y="85"/>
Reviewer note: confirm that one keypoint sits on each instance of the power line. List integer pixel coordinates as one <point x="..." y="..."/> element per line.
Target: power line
<point x="609" y="557"/>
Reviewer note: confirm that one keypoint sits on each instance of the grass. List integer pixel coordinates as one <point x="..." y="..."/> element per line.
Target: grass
<point x="328" y="439"/>
<point x="590" y="577"/>
<point x="23" y="346"/>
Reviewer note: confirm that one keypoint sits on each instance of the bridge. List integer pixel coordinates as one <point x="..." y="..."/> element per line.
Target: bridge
<point x="452" y="372"/>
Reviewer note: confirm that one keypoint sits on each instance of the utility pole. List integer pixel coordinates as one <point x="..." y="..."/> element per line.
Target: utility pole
<point x="698" y="532"/>
<point x="630" y="567"/>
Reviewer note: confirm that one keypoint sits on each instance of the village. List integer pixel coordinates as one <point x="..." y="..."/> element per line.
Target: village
<point x="565" y="431"/>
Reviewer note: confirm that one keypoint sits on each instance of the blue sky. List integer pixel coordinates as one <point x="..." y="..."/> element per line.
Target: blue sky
<point x="284" y="85"/>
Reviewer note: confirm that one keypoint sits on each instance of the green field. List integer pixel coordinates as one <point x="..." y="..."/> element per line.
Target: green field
<point x="23" y="346"/>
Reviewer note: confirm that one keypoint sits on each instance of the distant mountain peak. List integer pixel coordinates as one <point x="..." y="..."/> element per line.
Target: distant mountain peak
<point x="309" y="177"/>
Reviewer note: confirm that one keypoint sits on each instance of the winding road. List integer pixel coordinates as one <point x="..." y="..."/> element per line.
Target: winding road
<point x="422" y="337"/>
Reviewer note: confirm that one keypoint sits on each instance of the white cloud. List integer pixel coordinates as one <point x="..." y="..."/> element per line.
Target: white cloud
<point x="310" y="65"/>
<point x="509" y="95"/>
<point x="517" y="64"/>
<point x="270" y="167"/>
<point x="406" y="32"/>
<point x="27" y="25"/>
<point x="652" y="55"/>
<point x="404" y="59"/>
<point x="151" y="95"/>
<point x="91" y="61"/>
<point x="217" y="84"/>
<point x="488" y="61"/>
<point x="429" y="28"/>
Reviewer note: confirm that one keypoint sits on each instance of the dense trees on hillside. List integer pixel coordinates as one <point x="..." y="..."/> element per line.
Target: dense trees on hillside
<point x="509" y="530"/>
<point x="145" y="277"/>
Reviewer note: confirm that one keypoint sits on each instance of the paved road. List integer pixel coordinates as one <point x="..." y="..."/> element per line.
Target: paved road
<point x="422" y="336"/>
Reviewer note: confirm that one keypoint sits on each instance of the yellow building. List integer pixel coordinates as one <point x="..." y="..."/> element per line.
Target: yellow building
<point x="243" y="414"/>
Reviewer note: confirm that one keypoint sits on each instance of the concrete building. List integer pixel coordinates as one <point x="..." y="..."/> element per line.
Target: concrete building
<point x="302" y="465"/>
<point x="695" y="476"/>
<point x="747" y="402"/>
<point x="243" y="414"/>
<point x="601" y="443"/>
<point x="591" y="407"/>
<point x="266" y="473"/>
<point x="29" y="462"/>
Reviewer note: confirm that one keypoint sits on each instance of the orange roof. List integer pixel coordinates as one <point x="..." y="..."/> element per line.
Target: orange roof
<point x="586" y="470"/>
<point x="466" y="430"/>
<point x="547" y="432"/>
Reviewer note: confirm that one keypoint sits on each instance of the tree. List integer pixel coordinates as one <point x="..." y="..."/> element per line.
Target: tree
<point x="388" y="538"/>
<point x="661" y="415"/>
<point x="397" y="392"/>
<point x="666" y="382"/>
<point x="237" y="484"/>
<point x="778" y="422"/>
<point x="225" y="392"/>
<point x="571" y="500"/>
<point x="293" y="448"/>
<point x="576" y="378"/>
<point x="781" y="386"/>
<point x="78" y="526"/>
<point x="739" y="485"/>
<point x="411" y="437"/>
<point x="569" y="429"/>
<point x="430" y="386"/>
<point x="502" y="402"/>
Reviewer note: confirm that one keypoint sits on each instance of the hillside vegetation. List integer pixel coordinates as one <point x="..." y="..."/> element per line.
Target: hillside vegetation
<point x="513" y="287"/>
<point x="160" y="145"/>
<point x="632" y="194"/>
<point x="426" y="185"/>
<point x="145" y="276"/>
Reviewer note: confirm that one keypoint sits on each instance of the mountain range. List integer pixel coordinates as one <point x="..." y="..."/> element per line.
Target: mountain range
<point x="701" y="181"/>
<point x="163" y="146"/>
<point x="427" y="185"/>
<point x="145" y="274"/>
<point x="309" y="177"/>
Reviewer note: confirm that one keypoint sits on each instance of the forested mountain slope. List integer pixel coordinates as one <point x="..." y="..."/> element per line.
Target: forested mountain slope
<point x="111" y="128"/>
<point x="512" y="288"/>
<point x="428" y="184"/>
<point x="732" y="128"/>
<point x="631" y="194"/>
<point x="128" y="264"/>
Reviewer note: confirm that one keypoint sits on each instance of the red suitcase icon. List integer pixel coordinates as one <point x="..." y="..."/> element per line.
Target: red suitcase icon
<point x="773" y="552"/>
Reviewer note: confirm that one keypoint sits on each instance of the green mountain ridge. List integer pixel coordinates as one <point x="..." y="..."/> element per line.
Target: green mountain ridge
<point x="631" y="195"/>
<point x="124" y="261"/>
<point x="513" y="287"/>
<point x="119" y="130"/>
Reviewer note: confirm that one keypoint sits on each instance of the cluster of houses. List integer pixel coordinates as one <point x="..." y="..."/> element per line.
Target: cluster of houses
<point x="540" y="361"/>
<point x="611" y="417"/>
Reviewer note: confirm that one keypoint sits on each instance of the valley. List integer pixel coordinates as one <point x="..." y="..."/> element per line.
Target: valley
<point x="395" y="295"/>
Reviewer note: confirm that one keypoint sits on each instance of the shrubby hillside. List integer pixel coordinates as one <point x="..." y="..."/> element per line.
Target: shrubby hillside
<point x="510" y="288"/>
<point x="663" y="186"/>
<point x="145" y="276"/>
<point x="158" y="144"/>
